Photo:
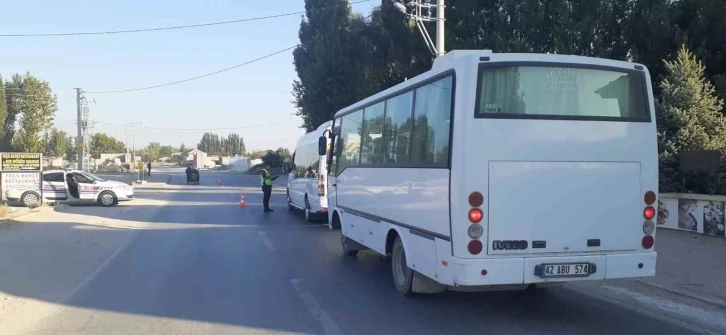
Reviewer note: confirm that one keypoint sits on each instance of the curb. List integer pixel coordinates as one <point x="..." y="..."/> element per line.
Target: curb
<point x="25" y="213"/>
<point x="716" y="302"/>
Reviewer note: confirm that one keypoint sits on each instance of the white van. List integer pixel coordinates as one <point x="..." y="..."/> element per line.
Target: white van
<point x="307" y="185"/>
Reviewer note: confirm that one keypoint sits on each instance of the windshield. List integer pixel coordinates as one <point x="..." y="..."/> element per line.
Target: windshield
<point x="92" y="176"/>
<point x="562" y="93"/>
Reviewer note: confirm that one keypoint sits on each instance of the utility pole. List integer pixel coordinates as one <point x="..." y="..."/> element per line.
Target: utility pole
<point x="80" y="145"/>
<point x="128" y="134"/>
<point x="440" y="50"/>
<point x="420" y="12"/>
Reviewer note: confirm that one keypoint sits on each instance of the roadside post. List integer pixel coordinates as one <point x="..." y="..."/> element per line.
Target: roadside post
<point x="141" y="175"/>
<point x="21" y="171"/>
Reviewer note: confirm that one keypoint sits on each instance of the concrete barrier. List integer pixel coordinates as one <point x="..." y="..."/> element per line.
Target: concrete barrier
<point x="699" y="213"/>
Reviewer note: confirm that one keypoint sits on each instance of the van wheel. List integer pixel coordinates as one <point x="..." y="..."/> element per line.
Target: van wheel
<point x="402" y="274"/>
<point x="30" y="199"/>
<point x="107" y="199"/>
<point x="347" y="245"/>
<point x="290" y="207"/>
<point x="308" y="214"/>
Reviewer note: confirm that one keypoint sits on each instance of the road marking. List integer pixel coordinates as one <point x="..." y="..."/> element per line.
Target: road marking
<point x="317" y="312"/>
<point x="98" y="270"/>
<point x="267" y="241"/>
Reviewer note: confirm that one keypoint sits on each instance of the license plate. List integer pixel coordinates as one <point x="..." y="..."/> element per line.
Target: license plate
<point x="565" y="270"/>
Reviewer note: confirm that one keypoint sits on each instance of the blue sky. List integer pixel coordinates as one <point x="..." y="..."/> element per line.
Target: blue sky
<point x="251" y="95"/>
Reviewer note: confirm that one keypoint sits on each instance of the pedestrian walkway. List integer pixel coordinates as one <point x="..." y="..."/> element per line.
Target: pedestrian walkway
<point x="691" y="264"/>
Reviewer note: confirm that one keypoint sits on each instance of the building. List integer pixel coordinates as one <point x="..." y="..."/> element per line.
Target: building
<point x="196" y="158"/>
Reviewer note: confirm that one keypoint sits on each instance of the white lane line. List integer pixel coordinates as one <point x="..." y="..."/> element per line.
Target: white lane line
<point x="267" y="241"/>
<point x="317" y="312"/>
<point x="66" y="298"/>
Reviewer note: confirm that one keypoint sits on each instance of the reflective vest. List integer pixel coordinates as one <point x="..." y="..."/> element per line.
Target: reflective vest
<point x="266" y="178"/>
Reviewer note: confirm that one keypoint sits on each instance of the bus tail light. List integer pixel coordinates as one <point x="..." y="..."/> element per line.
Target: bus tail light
<point x="475" y="247"/>
<point x="475" y="215"/>
<point x="648" y="241"/>
<point x="649" y="212"/>
<point x="475" y="231"/>
<point x="649" y="197"/>
<point x="648" y="227"/>
<point x="321" y="186"/>
<point x="476" y="199"/>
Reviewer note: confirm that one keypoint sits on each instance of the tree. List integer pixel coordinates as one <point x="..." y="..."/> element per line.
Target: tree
<point x="284" y="154"/>
<point x="5" y="142"/>
<point x="272" y="158"/>
<point x="325" y="62"/>
<point x="212" y="143"/>
<point x="57" y="143"/>
<point x="36" y="108"/>
<point x="257" y="154"/>
<point x="182" y="153"/>
<point x="104" y="144"/>
<point x="151" y="152"/>
<point x="14" y="104"/>
<point x="689" y="116"/>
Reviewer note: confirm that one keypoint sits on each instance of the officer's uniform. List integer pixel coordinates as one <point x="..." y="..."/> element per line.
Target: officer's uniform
<point x="266" y="179"/>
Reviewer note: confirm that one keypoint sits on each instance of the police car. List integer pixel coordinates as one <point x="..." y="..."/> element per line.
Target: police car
<point x="73" y="186"/>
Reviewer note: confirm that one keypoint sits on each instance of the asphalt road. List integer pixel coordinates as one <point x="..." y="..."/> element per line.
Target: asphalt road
<point x="204" y="265"/>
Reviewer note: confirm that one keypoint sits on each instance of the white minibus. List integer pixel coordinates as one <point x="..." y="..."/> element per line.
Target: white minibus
<point x="501" y="171"/>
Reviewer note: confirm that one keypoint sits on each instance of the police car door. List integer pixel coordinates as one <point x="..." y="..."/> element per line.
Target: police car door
<point x="54" y="186"/>
<point x="86" y="189"/>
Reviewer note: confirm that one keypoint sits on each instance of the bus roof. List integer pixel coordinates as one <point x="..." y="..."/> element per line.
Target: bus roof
<point x="451" y="58"/>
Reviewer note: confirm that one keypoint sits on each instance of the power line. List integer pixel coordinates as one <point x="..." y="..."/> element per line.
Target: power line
<point x="195" y="129"/>
<point x="193" y="78"/>
<point x="174" y="27"/>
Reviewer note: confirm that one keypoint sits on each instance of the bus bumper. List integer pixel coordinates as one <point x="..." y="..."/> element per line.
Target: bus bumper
<point x="508" y="271"/>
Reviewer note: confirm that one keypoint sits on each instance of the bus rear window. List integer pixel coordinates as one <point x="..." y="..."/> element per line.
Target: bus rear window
<point x="569" y="93"/>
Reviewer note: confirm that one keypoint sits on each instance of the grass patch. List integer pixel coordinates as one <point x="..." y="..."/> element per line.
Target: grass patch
<point x="4" y="210"/>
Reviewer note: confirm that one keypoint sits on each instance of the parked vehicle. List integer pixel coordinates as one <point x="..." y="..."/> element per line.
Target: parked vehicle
<point x="73" y="186"/>
<point x="495" y="171"/>
<point x="192" y="176"/>
<point x="307" y="184"/>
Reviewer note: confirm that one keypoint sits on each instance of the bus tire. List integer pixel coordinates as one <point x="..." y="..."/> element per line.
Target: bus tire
<point x="347" y="245"/>
<point x="336" y="221"/>
<point x="402" y="274"/>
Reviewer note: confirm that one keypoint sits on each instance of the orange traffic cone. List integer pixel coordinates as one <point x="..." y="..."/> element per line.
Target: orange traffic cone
<point x="242" y="203"/>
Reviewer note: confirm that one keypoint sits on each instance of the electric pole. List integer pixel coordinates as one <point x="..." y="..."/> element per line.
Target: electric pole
<point x="80" y="145"/>
<point x="128" y="134"/>
<point x="440" y="50"/>
<point x="421" y="12"/>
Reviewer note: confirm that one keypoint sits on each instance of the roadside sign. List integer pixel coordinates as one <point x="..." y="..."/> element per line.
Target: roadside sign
<point x="21" y="161"/>
<point x="26" y="181"/>
<point x="21" y="171"/>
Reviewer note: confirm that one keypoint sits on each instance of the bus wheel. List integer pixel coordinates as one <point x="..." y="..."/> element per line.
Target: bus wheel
<point x="402" y="274"/>
<point x="347" y="245"/>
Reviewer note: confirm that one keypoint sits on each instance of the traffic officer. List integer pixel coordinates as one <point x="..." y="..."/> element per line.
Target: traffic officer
<point x="266" y="179"/>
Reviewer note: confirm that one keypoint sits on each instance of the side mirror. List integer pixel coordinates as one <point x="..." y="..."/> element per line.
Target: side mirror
<point x="322" y="146"/>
